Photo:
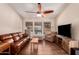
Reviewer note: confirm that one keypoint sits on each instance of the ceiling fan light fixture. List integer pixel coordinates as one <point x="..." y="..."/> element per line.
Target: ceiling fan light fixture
<point x="39" y="15"/>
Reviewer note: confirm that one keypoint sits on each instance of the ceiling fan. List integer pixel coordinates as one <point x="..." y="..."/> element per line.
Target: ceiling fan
<point x="40" y="12"/>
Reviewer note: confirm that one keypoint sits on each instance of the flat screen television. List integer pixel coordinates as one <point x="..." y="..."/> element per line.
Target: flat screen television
<point x="65" y="30"/>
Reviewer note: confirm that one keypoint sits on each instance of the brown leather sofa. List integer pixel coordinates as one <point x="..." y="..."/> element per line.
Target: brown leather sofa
<point x="19" y="42"/>
<point x="5" y="42"/>
<point x="14" y="41"/>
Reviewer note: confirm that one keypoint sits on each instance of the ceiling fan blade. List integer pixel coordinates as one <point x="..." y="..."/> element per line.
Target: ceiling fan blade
<point x="39" y="7"/>
<point x="48" y="11"/>
<point x="30" y="12"/>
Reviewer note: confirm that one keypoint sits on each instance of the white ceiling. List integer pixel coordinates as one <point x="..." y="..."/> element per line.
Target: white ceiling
<point x="22" y="7"/>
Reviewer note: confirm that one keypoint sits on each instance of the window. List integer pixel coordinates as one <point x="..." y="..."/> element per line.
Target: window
<point x="38" y="28"/>
<point x="47" y="27"/>
<point x="29" y="26"/>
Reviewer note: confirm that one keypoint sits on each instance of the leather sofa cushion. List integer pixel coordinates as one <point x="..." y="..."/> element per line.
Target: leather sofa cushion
<point x="14" y="34"/>
<point x="19" y="43"/>
<point x="25" y="39"/>
<point x="4" y="37"/>
<point x="16" y="38"/>
<point x="16" y="46"/>
<point x="0" y="42"/>
<point x="25" y="35"/>
<point x="20" y="35"/>
<point x="10" y="40"/>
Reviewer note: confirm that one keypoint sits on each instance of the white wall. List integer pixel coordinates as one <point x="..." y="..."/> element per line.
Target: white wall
<point x="71" y="16"/>
<point x="9" y="20"/>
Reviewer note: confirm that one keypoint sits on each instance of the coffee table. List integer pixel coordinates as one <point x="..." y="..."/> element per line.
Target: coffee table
<point x="34" y="44"/>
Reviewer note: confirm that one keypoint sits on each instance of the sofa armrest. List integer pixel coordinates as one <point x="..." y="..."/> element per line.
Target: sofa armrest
<point x="4" y="46"/>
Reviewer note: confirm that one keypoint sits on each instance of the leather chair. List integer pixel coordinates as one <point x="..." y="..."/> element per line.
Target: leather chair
<point x="50" y="36"/>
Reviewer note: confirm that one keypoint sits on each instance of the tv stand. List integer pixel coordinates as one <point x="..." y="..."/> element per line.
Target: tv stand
<point x="63" y="42"/>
